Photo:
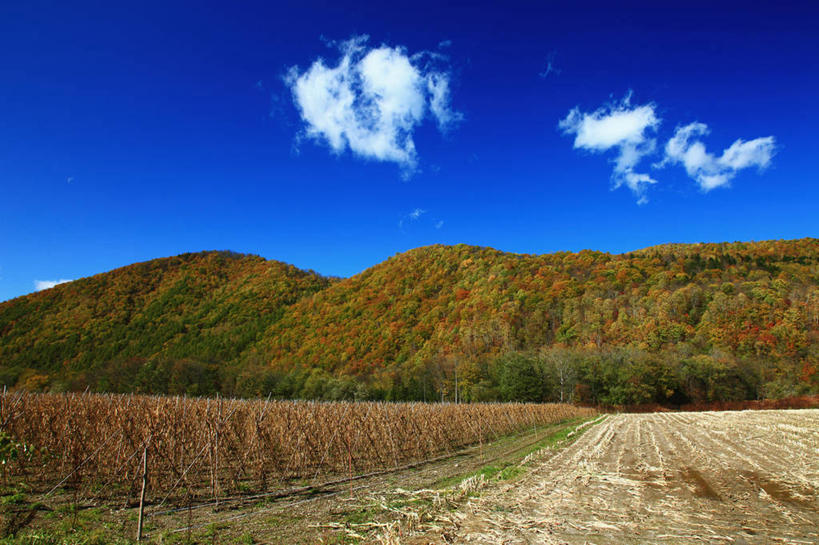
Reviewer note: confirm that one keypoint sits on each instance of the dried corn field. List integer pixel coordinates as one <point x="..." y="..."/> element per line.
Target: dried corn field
<point x="200" y="449"/>
<point x="711" y="477"/>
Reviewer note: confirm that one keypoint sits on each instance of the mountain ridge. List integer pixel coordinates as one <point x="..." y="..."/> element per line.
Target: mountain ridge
<point x="671" y="246"/>
<point x="219" y="321"/>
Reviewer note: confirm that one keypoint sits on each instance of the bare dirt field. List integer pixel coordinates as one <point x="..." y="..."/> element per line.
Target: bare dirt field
<point x="710" y="477"/>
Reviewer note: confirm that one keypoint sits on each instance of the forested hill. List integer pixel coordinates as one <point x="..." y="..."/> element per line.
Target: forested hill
<point x="670" y="324"/>
<point x="188" y="310"/>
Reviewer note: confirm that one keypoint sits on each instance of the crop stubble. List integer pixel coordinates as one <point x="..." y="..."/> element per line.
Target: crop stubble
<point x="710" y="477"/>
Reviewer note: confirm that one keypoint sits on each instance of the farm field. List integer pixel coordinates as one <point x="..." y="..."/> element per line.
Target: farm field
<point x="500" y="473"/>
<point x="710" y="477"/>
<point x="210" y="462"/>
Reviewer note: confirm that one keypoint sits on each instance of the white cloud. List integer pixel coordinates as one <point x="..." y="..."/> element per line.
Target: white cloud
<point x="708" y="170"/>
<point x="439" y="102"/>
<point x="372" y="100"/>
<point x="415" y="214"/>
<point x="40" y="285"/>
<point x="412" y="216"/>
<point x="413" y="219"/>
<point x="622" y="127"/>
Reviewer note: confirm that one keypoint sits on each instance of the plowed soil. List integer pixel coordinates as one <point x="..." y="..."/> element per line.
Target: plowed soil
<point x="712" y="477"/>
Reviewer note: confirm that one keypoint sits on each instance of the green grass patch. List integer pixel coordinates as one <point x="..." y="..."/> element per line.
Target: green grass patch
<point x="360" y="516"/>
<point x="510" y="468"/>
<point x="510" y="472"/>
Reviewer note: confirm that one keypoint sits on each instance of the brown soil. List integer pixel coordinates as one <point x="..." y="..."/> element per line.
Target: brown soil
<point x="729" y="477"/>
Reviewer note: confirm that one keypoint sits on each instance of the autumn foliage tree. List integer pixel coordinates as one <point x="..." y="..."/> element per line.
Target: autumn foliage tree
<point x="668" y="324"/>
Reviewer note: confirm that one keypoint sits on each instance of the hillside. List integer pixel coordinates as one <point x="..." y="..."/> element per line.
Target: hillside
<point x="183" y="311"/>
<point x="673" y="323"/>
<point x="421" y="313"/>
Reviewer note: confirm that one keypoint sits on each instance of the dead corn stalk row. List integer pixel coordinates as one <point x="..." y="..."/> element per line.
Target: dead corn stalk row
<point x="95" y="445"/>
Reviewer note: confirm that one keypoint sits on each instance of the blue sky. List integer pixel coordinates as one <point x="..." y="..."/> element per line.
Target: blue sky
<point x="135" y="131"/>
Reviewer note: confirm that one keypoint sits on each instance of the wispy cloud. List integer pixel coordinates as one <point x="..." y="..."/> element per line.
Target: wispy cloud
<point x="622" y="127"/>
<point x="550" y="67"/>
<point x="414" y="215"/>
<point x="372" y="100"/>
<point x="419" y="219"/>
<point x="40" y="285"/>
<point x="710" y="171"/>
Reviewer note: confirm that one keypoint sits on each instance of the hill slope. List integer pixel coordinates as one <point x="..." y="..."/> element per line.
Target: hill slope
<point x="430" y="305"/>
<point x="672" y="323"/>
<point x="205" y="307"/>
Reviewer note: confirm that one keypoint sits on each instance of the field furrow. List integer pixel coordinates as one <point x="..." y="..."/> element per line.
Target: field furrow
<point x="730" y="477"/>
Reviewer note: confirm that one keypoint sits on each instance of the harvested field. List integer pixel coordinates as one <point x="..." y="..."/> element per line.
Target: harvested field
<point x="202" y="450"/>
<point x="728" y="477"/>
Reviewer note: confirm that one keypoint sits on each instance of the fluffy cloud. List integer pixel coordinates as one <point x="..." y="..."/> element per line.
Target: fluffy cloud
<point x="708" y="170"/>
<point x="41" y="285"/>
<point x="621" y="127"/>
<point x="372" y="100"/>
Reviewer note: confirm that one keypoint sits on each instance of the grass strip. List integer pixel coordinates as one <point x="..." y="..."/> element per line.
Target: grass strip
<point x="509" y="466"/>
